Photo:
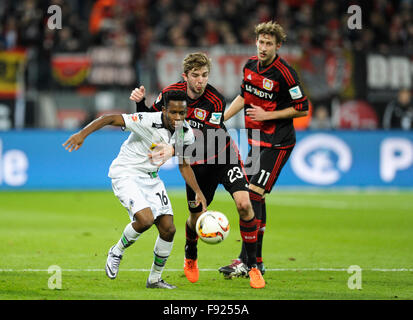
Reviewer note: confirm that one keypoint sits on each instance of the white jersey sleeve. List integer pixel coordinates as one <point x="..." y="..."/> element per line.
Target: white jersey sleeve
<point x="134" y="122"/>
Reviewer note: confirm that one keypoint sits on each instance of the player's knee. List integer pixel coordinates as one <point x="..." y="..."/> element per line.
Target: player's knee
<point x="193" y="219"/>
<point x="143" y="222"/>
<point x="244" y="208"/>
<point x="168" y="233"/>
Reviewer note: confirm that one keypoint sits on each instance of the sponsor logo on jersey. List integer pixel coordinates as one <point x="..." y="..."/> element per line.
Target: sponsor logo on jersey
<point x="267" y="84"/>
<point x="258" y="93"/>
<point x="216" y="117"/>
<point x="136" y="117"/>
<point x="200" y="114"/>
<point x="295" y="93"/>
<point x="321" y="159"/>
<point x="195" y="124"/>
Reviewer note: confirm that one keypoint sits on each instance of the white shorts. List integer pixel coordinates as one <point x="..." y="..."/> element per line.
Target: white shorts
<point x="137" y="193"/>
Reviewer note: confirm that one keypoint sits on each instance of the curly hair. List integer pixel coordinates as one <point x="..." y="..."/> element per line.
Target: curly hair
<point x="271" y="28"/>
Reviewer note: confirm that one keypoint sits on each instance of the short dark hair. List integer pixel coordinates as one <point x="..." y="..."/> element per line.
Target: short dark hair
<point x="176" y="95"/>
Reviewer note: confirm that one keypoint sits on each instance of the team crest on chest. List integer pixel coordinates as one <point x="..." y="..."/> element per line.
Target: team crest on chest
<point x="200" y="114"/>
<point x="267" y="84"/>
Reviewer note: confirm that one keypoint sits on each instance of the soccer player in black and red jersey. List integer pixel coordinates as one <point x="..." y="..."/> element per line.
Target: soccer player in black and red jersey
<point x="219" y="163"/>
<point x="271" y="96"/>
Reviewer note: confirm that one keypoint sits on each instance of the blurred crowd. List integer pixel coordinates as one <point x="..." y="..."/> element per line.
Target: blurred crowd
<point x="138" y="23"/>
<point x="387" y="25"/>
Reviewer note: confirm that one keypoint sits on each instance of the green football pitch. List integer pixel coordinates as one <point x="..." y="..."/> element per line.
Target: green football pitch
<point x="311" y="240"/>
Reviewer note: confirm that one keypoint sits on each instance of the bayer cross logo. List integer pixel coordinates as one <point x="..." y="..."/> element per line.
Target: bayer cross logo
<point x="321" y="159"/>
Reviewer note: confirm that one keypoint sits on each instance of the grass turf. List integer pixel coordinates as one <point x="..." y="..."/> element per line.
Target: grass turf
<point x="310" y="241"/>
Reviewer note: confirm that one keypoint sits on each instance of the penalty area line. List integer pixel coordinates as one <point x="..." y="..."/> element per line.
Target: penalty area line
<point x="207" y="270"/>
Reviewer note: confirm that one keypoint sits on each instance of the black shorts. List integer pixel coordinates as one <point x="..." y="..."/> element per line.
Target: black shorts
<point x="264" y="166"/>
<point x="209" y="176"/>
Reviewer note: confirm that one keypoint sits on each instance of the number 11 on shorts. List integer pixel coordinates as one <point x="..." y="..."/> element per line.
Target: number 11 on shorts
<point x="265" y="174"/>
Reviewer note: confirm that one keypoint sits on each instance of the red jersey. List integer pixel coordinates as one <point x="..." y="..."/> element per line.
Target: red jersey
<point x="204" y="114"/>
<point x="274" y="87"/>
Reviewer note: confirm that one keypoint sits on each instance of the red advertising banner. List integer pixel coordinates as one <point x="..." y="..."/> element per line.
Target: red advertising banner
<point x="99" y="66"/>
<point x="70" y="69"/>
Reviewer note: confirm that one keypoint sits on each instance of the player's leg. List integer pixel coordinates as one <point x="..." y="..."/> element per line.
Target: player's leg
<point x="131" y="193"/>
<point x="271" y="163"/>
<point x="235" y="182"/>
<point x="248" y="229"/>
<point x="208" y="183"/>
<point x="238" y="266"/>
<point x="143" y="220"/>
<point x="260" y="235"/>
<point x="248" y="225"/>
<point x="161" y="252"/>
<point x="250" y="165"/>
<point x="261" y="215"/>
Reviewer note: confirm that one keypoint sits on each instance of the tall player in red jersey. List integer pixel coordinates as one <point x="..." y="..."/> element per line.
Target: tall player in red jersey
<point x="214" y="166"/>
<point x="271" y="96"/>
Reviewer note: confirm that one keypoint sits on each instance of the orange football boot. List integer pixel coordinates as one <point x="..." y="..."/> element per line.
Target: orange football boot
<point x="256" y="279"/>
<point x="191" y="270"/>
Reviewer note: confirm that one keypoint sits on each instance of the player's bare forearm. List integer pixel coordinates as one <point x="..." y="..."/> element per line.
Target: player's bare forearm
<point x="289" y="113"/>
<point x="76" y="140"/>
<point x="259" y="114"/>
<point x="189" y="177"/>
<point x="236" y="105"/>
<point x="103" y="121"/>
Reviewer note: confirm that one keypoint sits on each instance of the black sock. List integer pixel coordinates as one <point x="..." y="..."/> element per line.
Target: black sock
<point x="248" y="231"/>
<point x="256" y="201"/>
<point x="191" y="250"/>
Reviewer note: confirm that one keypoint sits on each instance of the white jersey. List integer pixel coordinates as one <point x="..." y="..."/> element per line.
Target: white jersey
<point x="147" y="130"/>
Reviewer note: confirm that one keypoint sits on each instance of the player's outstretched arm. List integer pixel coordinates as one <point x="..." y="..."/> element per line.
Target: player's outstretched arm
<point x="236" y="105"/>
<point x="76" y="140"/>
<point x="189" y="176"/>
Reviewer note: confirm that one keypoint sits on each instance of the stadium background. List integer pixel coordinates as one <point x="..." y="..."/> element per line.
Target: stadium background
<point x="54" y="81"/>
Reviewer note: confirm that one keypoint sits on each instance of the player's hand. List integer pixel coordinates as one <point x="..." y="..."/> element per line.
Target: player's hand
<point x="160" y="154"/>
<point x="200" y="198"/>
<point x="138" y="94"/>
<point x="74" y="142"/>
<point x="256" y="113"/>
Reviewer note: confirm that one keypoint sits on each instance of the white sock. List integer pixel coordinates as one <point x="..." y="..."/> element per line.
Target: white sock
<point x="161" y="251"/>
<point x="129" y="236"/>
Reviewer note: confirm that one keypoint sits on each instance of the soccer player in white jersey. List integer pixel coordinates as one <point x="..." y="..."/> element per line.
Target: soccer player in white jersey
<point x="135" y="179"/>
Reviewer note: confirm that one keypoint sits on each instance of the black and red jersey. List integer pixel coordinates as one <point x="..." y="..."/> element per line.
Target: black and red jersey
<point x="205" y="116"/>
<point x="274" y="87"/>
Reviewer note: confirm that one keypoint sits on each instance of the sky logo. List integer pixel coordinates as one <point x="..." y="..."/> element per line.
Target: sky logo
<point x="321" y="159"/>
